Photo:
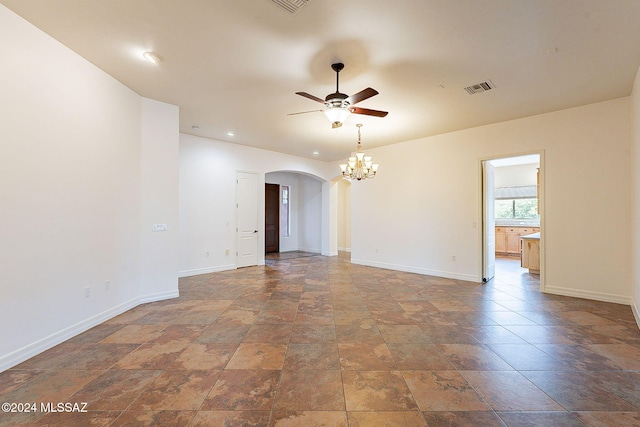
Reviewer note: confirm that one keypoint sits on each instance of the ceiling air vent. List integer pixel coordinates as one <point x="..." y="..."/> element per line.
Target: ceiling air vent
<point x="291" y="6"/>
<point x="480" y="87"/>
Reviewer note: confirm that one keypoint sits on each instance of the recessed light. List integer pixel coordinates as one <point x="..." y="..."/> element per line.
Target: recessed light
<point x="315" y="153"/>
<point x="152" y="57"/>
<point x="230" y="133"/>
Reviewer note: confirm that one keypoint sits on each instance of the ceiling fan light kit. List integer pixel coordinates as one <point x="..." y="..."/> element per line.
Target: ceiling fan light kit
<point x="339" y="105"/>
<point x="336" y="116"/>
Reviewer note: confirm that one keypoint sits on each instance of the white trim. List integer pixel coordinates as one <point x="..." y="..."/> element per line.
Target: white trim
<point x="335" y="253"/>
<point x="12" y="359"/>
<point x="597" y="296"/>
<point x="159" y="296"/>
<point x="343" y="249"/>
<point x="20" y="355"/>
<point x="541" y="156"/>
<point x="636" y="314"/>
<point x="207" y="270"/>
<point x="312" y="250"/>
<point x="417" y="270"/>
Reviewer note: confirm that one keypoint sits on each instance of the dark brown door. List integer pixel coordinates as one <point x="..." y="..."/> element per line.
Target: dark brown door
<point x="271" y="218"/>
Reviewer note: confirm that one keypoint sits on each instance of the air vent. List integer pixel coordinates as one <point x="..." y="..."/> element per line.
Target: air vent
<point x="291" y="6"/>
<point x="480" y="87"/>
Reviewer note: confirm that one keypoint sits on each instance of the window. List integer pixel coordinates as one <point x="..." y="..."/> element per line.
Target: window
<point x="519" y="202"/>
<point x="285" y="214"/>
<point x="516" y="208"/>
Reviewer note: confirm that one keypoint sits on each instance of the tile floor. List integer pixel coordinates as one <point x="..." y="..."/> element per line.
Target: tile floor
<point x="318" y="341"/>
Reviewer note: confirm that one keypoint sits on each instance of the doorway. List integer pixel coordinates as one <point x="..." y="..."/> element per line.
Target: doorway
<point x="298" y="214"/>
<point x="512" y="218"/>
<point x="271" y="218"/>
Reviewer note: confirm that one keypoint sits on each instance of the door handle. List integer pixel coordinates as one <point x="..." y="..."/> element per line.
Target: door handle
<point x="255" y="231"/>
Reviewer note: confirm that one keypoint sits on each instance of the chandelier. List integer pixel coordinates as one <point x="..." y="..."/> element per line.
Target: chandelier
<point x="359" y="166"/>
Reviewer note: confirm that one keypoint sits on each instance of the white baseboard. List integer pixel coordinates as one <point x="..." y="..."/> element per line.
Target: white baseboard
<point x="12" y="359"/>
<point x="636" y="314"/>
<point x="418" y="270"/>
<point x="343" y="249"/>
<point x="143" y="299"/>
<point x="312" y="250"/>
<point x="332" y="253"/>
<point x="206" y="270"/>
<point x="597" y="296"/>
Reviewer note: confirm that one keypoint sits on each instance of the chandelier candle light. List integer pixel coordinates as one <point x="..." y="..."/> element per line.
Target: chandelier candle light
<point x="359" y="166"/>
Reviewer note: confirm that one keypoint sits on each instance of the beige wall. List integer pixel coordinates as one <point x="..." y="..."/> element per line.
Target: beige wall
<point x="344" y="215"/>
<point x="635" y="97"/>
<point x="425" y="205"/>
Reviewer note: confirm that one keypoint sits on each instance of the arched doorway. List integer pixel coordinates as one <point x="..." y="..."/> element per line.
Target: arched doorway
<point x="293" y="215"/>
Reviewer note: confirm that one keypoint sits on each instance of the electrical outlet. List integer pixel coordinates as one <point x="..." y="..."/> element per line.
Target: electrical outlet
<point x="207" y="254"/>
<point x="453" y="257"/>
<point x="107" y="285"/>
<point x="159" y="227"/>
<point x="226" y="251"/>
<point x="87" y="292"/>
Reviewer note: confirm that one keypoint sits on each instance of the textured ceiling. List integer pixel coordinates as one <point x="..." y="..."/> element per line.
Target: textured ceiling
<point x="235" y="65"/>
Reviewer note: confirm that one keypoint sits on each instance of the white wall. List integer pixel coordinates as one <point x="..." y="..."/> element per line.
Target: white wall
<point x="207" y="198"/>
<point x="635" y="99"/>
<point x="516" y="176"/>
<point x="159" y="200"/>
<point x="310" y="208"/>
<point x="70" y="193"/>
<point x="425" y="205"/>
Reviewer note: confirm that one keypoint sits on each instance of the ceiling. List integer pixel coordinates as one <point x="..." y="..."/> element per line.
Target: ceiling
<point x="235" y="65"/>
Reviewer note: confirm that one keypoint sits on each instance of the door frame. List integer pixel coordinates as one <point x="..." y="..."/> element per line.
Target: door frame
<point x="488" y="223"/>
<point x="541" y="210"/>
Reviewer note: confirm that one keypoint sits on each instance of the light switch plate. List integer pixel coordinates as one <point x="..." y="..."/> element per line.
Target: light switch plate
<point x="160" y="227"/>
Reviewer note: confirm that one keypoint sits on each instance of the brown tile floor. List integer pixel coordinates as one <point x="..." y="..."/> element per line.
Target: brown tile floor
<point x="317" y="341"/>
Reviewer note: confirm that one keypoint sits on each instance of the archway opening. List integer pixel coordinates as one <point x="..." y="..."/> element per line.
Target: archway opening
<point x="293" y="215"/>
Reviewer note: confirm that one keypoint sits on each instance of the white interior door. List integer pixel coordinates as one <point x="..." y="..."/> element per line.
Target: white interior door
<point x="488" y="221"/>
<point x="247" y="219"/>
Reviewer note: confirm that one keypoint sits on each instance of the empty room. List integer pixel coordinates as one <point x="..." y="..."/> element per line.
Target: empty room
<point x="320" y="212"/>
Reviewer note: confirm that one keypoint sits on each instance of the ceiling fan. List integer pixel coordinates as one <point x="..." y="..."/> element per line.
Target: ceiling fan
<point x="340" y="105"/>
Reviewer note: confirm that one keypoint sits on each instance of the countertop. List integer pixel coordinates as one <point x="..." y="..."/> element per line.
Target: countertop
<point x="531" y="236"/>
<point x="516" y="223"/>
